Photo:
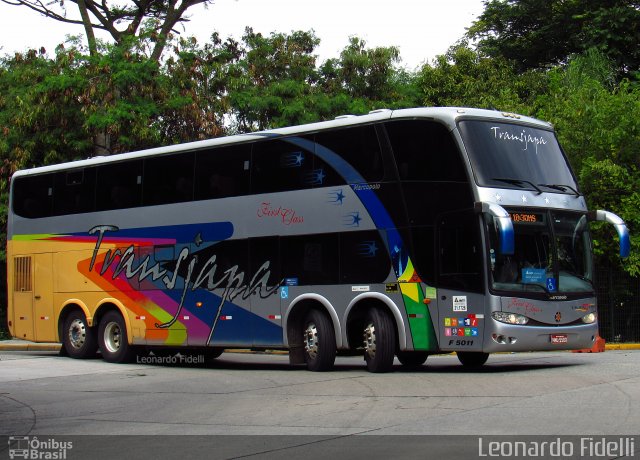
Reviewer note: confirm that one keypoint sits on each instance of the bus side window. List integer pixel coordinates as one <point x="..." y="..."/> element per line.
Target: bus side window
<point x="119" y="185"/>
<point x="264" y="257"/>
<point x="222" y="172"/>
<point x="74" y="191"/>
<point x="359" y="147"/>
<point x="363" y="258"/>
<point x="312" y="259"/>
<point x="432" y="174"/>
<point x="280" y="166"/>
<point x="168" y="179"/>
<point x="425" y="150"/>
<point x="33" y="196"/>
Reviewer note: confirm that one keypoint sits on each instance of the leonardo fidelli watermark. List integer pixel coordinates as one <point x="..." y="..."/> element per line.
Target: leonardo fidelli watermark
<point x="586" y="446"/>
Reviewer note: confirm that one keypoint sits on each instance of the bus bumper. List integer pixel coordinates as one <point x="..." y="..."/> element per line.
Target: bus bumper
<point x="501" y="337"/>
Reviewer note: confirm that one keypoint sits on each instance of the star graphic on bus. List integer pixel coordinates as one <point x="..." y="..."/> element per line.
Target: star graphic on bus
<point x="337" y="197"/>
<point x="352" y="219"/>
<point x="292" y="160"/>
<point x="367" y="249"/>
<point x="315" y="177"/>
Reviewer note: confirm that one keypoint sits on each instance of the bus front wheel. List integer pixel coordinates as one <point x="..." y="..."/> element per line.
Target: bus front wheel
<point x="319" y="342"/>
<point x="79" y="339"/>
<point x="112" y="339"/>
<point x="472" y="359"/>
<point x="379" y="341"/>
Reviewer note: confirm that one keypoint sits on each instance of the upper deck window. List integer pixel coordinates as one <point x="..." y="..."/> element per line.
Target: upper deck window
<point x="509" y="155"/>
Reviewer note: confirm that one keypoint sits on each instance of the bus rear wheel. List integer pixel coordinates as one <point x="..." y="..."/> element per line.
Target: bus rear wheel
<point x="112" y="339"/>
<point x="319" y="342"/>
<point x="472" y="359"/>
<point x="379" y="341"/>
<point x="79" y="339"/>
<point x="412" y="358"/>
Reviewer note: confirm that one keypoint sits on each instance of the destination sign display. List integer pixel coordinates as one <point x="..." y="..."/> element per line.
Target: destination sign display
<point x="526" y="217"/>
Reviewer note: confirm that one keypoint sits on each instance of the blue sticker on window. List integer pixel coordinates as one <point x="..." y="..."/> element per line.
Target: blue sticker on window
<point x="533" y="275"/>
<point x="291" y="281"/>
<point x="551" y="284"/>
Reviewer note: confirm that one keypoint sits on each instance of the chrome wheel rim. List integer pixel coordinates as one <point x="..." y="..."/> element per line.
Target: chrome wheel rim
<point x="77" y="333"/>
<point x="311" y="340"/>
<point x="370" y="341"/>
<point x="112" y="337"/>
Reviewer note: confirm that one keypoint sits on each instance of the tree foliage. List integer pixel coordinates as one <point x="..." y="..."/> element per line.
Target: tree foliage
<point x="542" y="33"/>
<point x="466" y="77"/>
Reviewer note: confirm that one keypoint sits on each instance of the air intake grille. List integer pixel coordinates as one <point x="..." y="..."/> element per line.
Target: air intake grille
<point x="22" y="274"/>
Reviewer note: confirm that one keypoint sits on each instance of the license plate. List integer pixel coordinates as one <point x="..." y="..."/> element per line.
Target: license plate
<point x="559" y="338"/>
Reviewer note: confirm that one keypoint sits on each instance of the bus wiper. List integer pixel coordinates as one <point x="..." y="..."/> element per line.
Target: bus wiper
<point x="518" y="182"/>
<point x="561" y="187"/>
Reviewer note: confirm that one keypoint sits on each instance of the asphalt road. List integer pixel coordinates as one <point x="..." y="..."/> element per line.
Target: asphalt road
<point x="552" y="394"/>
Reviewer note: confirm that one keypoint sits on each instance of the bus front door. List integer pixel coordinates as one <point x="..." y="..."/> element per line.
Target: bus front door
<point x="460" y="281"/>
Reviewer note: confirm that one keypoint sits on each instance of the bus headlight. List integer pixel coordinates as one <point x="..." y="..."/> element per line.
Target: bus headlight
<point x="509" y="318"/>
<point x="589" y="318"/>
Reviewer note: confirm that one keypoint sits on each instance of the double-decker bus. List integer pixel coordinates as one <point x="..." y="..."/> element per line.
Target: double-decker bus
<point x="394" y="234"/>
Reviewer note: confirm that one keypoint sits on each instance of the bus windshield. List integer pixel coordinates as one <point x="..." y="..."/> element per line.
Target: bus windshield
<point x="552" y="253"/>
<point x="516" y="156"/>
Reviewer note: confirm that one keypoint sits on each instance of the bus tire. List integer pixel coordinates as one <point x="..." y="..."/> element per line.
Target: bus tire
<point x="112" y="338"/>
<point x="78" y="339"/>
<point x="472" y="359"/>
<point x="379" y="341"/>
<point x="319" y="341"/>
<point x="412" y="358"/>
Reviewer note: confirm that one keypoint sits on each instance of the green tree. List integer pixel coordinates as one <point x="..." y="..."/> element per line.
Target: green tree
<point x="200" y="80"/>
<point x="272" y="82"/>
<point x="466" y="78"/>
<point x="40" y="110"/>
<point x="542" y="33"/>
<point x="364" y="79"/>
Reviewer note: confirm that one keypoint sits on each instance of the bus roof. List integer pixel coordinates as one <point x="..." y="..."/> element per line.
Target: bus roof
<point x="447" y="115"/>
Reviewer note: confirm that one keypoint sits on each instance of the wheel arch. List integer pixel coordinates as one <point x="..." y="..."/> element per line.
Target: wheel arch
<point x="295" y="314"/>
<point x="357" y="309"/>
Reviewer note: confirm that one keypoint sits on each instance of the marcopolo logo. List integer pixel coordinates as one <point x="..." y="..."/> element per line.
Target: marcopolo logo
<point x="34" y="448"/>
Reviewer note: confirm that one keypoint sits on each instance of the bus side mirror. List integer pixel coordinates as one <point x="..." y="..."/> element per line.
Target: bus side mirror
<point x="618" y="223"/>
<point x="505" y="225"/>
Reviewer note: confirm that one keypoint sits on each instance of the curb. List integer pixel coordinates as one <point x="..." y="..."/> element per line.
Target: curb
<point x="622" y="346"/>
<point x="29" y="346"/>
